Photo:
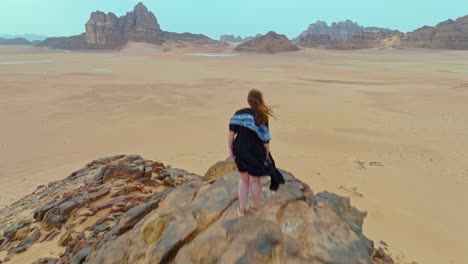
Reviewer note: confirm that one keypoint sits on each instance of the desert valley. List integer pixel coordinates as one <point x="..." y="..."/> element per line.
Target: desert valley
<point x="376" y="115"/>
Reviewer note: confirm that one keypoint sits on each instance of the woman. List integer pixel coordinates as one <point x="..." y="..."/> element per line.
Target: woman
<point x="249" y="146"/>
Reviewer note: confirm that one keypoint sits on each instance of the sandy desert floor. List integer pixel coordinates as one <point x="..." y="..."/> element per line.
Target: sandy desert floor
<point x="386" y="128"/>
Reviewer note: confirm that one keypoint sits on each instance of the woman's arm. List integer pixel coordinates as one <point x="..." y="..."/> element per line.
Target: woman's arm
<point x="230" y="142"/>
<point x="267" y="144"/>
<point x="267" y="149"/>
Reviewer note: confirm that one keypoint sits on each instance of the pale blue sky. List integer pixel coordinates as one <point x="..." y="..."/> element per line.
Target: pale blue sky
<point x="238" y="17"/>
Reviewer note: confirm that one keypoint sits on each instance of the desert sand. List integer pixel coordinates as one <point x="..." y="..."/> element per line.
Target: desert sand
<point x="384" y="127"/>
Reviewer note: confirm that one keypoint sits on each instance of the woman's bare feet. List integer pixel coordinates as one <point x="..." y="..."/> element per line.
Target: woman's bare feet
<point x="254" y="209"/>
<point x="241" y="212"/>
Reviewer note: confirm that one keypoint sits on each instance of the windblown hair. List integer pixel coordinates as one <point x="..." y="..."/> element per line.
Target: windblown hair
<point x="262" y="112"/>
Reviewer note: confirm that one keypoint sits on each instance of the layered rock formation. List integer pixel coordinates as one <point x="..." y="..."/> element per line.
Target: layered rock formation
<point x="102" y="29"/>
<point x="77" y="211"/>
<point x="336" y="31"/>
<point x="233" y="39"/>
<point x="269" y="43"/>
<point x="66" y="43"/>
<point x="125" y="209"/>
<point x="367" y="40"/>
<point x="141" y="25"/>
<point x="451" y="34"/>
<point x="107" y="31"/>
<point x="14" y="41"/>
<point x="188" y="37"/>
<point x="344" y="35"/>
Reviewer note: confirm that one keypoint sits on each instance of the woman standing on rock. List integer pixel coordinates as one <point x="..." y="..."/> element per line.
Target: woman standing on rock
<point x="249" y="146"/>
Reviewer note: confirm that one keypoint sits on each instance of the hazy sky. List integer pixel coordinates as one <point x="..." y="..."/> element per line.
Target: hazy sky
<point x="217" y="17"/>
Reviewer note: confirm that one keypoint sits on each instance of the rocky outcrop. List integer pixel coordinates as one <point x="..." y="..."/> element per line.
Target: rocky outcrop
<point x="107" y="31"/>
<point x="77" y="211"/>
<point x="102" y="29"/>
<point x="367" y="40"/>
<point x="125" y="209"/>
<point x="344" y="35"/>
<point x="451" y="34"/>
<point x="140" y="26"/>
<point x="336" y="31"/>
<point x="314" y="40"/>
<point x="66" y="43"/>
<point x="269" y="44"/>
<point x="374" y="35"/>
<point x="14" y="41"/>
<point x="219" y="169"/>
<point x="188" y="37"/>
<point x="231" y="39"/>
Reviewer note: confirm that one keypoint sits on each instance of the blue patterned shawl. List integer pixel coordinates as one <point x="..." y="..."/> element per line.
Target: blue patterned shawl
<point x="248" y="121"/>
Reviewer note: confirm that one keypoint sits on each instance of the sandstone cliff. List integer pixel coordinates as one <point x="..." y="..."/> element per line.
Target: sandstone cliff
<point x="269" y="43"/>
<point x="451" y="34"/>
<point x="336" y="31"/>
<point x="103" y="29"/>
<point x="125" y="209"/>
<point x="344" y="35"/>
<point x="107" y="31"/>
<point x="66" y="43"/>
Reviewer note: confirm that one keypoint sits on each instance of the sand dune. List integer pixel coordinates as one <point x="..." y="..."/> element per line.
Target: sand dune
<point x="387" y="128"/>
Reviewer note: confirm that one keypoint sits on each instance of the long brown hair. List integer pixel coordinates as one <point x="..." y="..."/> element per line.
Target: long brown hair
<point x="262" y="112"/>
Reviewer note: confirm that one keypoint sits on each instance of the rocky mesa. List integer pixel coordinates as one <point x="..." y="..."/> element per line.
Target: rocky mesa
<point x="344" y="35"/>
<point x="451" y="34"/>
<point x="125" y="209"/>
<point x="140" y="25"/>
<point x="269" y="44"/>
<point x="107" y="31"/>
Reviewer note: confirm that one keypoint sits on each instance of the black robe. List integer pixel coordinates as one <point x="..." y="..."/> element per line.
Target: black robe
<point x="250" y="154"/>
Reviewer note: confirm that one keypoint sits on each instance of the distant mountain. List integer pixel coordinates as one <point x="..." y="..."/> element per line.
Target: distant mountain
<point x="234" y="39"/>
<point x="66" y="43"/>
<point x="343" y="35"/>
<point x="450" y="34"/>
<point x="30" y="37"/>
<point x="231" y="38"/>
<point x="269" y="43"/>
<point x="339" y="31"/>
<point x="107" y="31"/>
<point x="15" y="41"/>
